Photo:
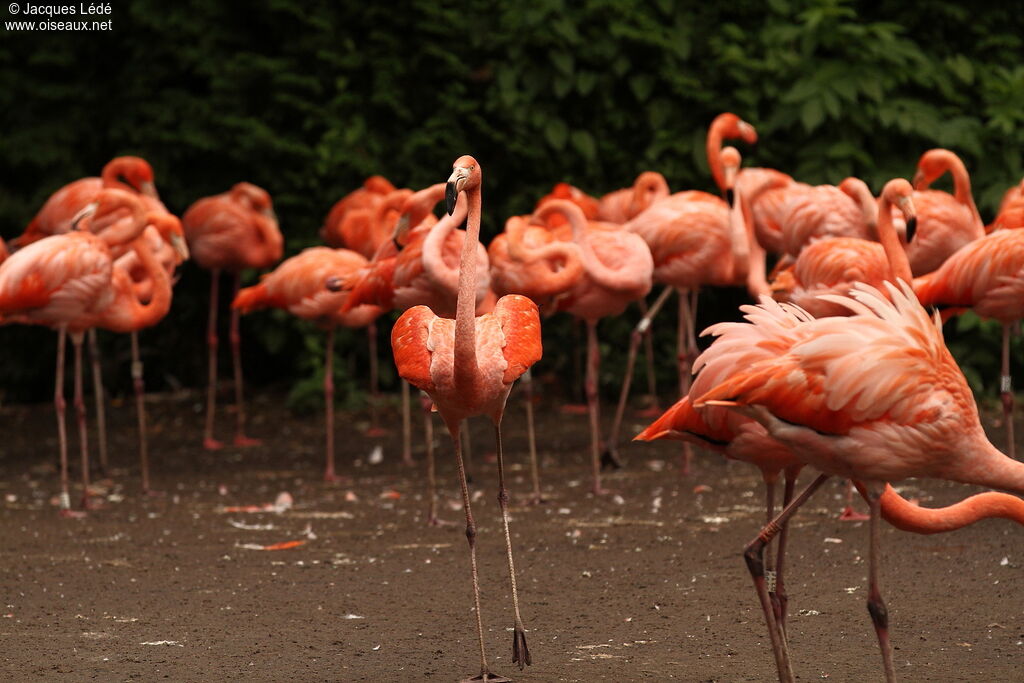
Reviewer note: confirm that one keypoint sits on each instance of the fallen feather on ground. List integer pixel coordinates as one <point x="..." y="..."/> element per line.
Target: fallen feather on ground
<point x="162" y="642"/>
<point x="390" y="494"/>
<point x="284" y="545"/>
<point x="352" y="616"/>
<point x="376" y="455"/>
<point x="282" y="503"/>
<point x="250" y="527"/>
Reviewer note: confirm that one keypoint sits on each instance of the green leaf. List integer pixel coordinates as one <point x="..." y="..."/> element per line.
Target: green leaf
<point x="584" y="143"/>
<point x="811" y="115"/>
<point x="556" y="133"/>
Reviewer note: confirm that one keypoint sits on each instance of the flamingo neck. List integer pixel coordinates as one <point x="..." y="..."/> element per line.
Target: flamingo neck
<point x="567" y="252"/>
<point x="907" y="516"/>
<point x="962" y="186"/>
<point x="713" y="147"/>
<point x="592" y="265"/>
<point x="433" y="251"/>
<point x="983" y="464"/>
<point x="899" y="263"/>
<point x="465" y="307"/>
<point x="150" y="313"/>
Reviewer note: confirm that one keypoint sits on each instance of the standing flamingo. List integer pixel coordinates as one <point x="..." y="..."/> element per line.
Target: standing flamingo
<point x="297" y="286"/>
<point x="231" y="231"/>
<point x="65" y="281"/>
<point x="467" y="366"/>
<point x="876" y="397"/>
<point x="987" y="276"/>
<point x="945" y="222"/>
<point x="617" y="269"/>
<point x="354" y="220"/>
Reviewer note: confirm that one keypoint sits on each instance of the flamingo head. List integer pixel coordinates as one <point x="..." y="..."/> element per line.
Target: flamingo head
<point x="900" y="193"/>
<point x="465" y="176"/>
<point x="132" y="172"/>
<point x="932" y="165"/>
<point x="169" y="227"/>
<point x="733" y="127"/>
<point x="731" y="166"/>
<point x="255" y="197"/>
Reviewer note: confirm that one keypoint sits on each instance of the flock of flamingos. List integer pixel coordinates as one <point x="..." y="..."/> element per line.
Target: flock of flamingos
<point x="841" y="365"/>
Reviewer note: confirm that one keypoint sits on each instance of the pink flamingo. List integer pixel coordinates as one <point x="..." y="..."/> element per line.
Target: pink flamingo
<point x="808" y="382"/>
<point x="467" y="367"/>
<point x="945" y="222"/>
<point x="590" y="206"/>
<point x="987" y="276"/>
<point x="231" y="231"/>
<point x="355" y="221"/>
<point x="820" y="211"/>
<point x="1011" y="210"/>
<point x="623" y="205"/>
<point x="297" y="286"/>
<point x="617" y="268"/>
<point x="68" y="281"/>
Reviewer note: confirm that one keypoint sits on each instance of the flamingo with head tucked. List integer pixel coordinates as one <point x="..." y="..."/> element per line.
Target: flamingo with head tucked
<point x="231" y="231"/>
<point x="467" y="367"/>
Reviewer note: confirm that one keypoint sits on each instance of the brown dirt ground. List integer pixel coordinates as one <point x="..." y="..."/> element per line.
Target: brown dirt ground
<point x="612" y="589"/>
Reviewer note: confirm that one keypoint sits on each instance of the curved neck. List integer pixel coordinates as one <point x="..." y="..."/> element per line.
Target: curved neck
<point x="567" y="252"/>
<point x="596" y="270"/>
<point x="465" y="308"/>
<point x="648" y="188"/>
<point x="907" y="516"/>
<point x="713" y="147"/>
<point x="134" y="313"/>
<point x="962" y="187"/>
<point x="857" y="190"/>
<point x="899" y="264"/>
<point x="433" y="250"/>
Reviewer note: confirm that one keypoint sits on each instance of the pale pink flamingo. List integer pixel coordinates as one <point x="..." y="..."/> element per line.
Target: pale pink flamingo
<point x="987" y="276"/>
<point x="297" y="286"/>
<point x="875" y="397"/>
<point x="945" y="222"/>
<point x="821" y="211"/>
<point x="467" y="367"/>
<point x="231" y="231"/>
<point x="617" y="269"/>
<point x="67" y="281"/>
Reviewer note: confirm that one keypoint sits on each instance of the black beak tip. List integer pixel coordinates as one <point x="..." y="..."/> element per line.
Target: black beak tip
<point x="451" y="195"/>
<point x="730" y="197"/>
<point x="911" y="228"/>
<point x="398" y="245"/>
<point x="334" y="284"/>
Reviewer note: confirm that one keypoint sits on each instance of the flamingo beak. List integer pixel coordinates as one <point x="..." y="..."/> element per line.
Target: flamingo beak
<point x="334" y="284"/>
<point x="149" y="189"/>
<point x="748" y="133"/>
<point x="730" y="196"/>
<point x="180" y="246"/>
<point x="906" y="205"/>
<point x="87" y="210"/>
<point x="911" y="228"/>
<point x="401" y="227"/>
<point x="919" y="181"/>
<point x="730" y="184"/>
<point x="456" y="181"/>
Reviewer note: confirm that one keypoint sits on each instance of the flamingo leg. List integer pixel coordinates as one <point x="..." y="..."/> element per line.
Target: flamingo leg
<point x="753" y="554"/>
<point x="642" y="328"/>
<point x="209" y="443"/>
<point x="520" y="652"/>
<point x="849" y="514"/>
<point x="1006" y="392"/>
<point x="781" y="598"/>
<point x="467" y="449"/>
<point x="100" y="398"/>
<point x="406" y="425"/>
<point x="236" y="358"/>
<point x="59" y="407"/>
<point x="329" y="474"/>
<point x="140" y="409"/>
<point x="371" y="334"/>
<point x="428" y="431"/>
<point x="683" y="353"/>
<point x="80" y="412"/>
<point x="485" y="673"/>
<point x="593" y="404"/>
<point x="652" y="386"/>
<point x="876" y="606"/>
<point x="532" y="437"/>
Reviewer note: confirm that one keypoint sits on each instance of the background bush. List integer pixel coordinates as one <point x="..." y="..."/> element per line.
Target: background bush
<point x="307" y="98"/>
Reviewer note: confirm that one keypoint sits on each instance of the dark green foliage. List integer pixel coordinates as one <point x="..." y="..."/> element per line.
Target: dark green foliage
<point x="308" y="98"/>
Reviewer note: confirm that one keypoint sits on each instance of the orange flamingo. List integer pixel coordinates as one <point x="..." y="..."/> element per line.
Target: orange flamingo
<point x="354" y="222"/>
<point x="806" y="381"/>
<point x="1011" y="210"/>
<point x="231" y="231"/>
<point x="617" y="268"/>
<point x="821" y="211"/>
<point x="766" y="210"/>
<point x="589" y="205"/>
<point x="66" y="281"/>
<point x="467" y="367"/>
<point x="623" y="205"/>
<point x="297" y="286"/>
<point x="945" y="223"/>
<point x="987" y="276"/>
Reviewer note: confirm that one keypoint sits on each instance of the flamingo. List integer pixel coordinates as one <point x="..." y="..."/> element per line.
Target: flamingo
<point x="945" y="223"/>
<point x="1011" y="210"/>
<point x="821" y="211"/>
<point x="987" y="276"/>
<point x="617" y="268"/>
<point x="297" y="286"/>
<point x="767" y="208"/>
<point x="231" y="231"/>
<point x="589" y="205"/>
<point x="353" y="222"/>
<point x="128" y="173"/>
<point x="467" y="366"/>
<point x="67" y="281"/>
<point x="623" y="205"/>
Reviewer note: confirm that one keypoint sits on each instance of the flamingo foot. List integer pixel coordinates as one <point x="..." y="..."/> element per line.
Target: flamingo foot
<point x="610" y="460"/>
<point x="73" y="514"/>
<point x="212" y="444"/>
<point x="332" y="478"/>
<point x="574" y="409"/>
<point x="601" y="491"/>
<point x="438" y="522"/>
<point x="520" y="653"/>
<point x="243" y="441"/>
<point x="537" y="500"/>
<point x="488" y="677"/>
<point x="850" y="515"/>
<point x="375" y="432"/>
<point x="151" y="493"/>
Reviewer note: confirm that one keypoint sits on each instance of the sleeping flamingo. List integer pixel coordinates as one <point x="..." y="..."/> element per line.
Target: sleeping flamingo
<point x="67" y="281"/>
<point x="806" y="381"/>
<point x="297" y="286"/>
<point x="231" y="231"/>
<point x="623" y="205"/>
<point x="617" y="269"/>
<point x="467" y="367"/>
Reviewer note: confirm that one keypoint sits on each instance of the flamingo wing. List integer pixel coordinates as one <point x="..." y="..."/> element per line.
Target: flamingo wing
<point x="520" y="324"/>
<point x="409" y="342"/>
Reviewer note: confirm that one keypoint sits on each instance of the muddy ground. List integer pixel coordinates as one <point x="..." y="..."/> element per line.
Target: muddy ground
<point x="648" y="584"/>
